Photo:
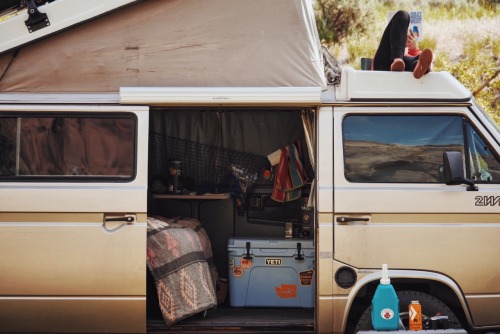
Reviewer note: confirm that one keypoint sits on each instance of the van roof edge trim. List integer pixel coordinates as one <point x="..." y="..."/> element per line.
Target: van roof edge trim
<point x="220" y="95"/>
<point x="59" y="98"/>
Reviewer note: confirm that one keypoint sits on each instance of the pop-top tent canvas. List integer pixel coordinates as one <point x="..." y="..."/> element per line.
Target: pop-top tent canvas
<point x="173" y="43"/>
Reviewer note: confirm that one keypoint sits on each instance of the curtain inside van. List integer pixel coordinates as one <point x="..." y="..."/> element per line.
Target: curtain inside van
<point x="212" y="139"/>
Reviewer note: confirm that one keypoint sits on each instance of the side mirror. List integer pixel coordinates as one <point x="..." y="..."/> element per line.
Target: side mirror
<point x="454" y="170"/>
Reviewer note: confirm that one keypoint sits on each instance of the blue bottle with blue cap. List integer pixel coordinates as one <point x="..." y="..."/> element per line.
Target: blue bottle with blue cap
<point x="385" y="304"/>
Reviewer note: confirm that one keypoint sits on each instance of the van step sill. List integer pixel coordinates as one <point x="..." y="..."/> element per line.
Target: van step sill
<point x="244" y="320"/>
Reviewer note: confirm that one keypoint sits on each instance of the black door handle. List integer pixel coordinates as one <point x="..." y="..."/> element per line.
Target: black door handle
<point x="351" y="219"/>
<point x="128" y="219"/>
<point x="113" y="224"/>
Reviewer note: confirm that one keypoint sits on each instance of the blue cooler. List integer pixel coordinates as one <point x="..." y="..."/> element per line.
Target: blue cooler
<point x="271" y="272"/>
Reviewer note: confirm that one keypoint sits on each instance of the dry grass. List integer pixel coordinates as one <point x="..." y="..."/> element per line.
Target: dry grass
<point x="451" y="35"/>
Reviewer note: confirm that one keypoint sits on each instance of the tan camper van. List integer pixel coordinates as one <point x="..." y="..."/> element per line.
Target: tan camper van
<point x="189" y="166"/>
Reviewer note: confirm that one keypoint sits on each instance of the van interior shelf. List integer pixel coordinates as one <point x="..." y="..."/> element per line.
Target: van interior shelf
<point x="193" y="199"/>
<point x="207" y="196"/>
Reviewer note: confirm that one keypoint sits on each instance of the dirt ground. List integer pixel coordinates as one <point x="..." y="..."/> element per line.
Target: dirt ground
<point x="451" y="35"/>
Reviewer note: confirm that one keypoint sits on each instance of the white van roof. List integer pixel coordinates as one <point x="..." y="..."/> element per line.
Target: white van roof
<point x="175" y="43"/>
<point x="398" y="86"/>
<point x="58" y="15"/>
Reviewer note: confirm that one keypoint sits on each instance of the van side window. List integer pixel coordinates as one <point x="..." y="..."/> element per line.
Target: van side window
<point x="8" y="134"/>
<point x="76" y="147"/>
<point x="483" y="165"/>
<point x="399" y="148"/>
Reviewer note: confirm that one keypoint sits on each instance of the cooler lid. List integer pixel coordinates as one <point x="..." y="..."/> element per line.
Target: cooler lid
<point x="263" y="243"/>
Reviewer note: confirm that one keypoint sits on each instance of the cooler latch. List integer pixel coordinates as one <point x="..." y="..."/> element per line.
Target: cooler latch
<point x="247" y="256"/>
<point x="36" y="20"/>
<point x="299" y="251"/>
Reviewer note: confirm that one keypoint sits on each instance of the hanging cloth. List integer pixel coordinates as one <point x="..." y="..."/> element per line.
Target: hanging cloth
<point x="290" y="176"/>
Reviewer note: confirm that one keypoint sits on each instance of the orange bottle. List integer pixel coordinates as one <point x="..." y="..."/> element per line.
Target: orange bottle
<point x="415" y="316"/>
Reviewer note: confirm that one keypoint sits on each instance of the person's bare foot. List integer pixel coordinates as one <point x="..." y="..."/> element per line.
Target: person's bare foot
<point x="424" y="63"/>
<point x="398" y="65"/>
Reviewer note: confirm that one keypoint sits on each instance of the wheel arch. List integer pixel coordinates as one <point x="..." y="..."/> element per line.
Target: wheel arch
<point x="435" y="284"/>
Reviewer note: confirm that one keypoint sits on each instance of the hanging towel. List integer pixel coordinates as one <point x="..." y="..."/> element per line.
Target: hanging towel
<point x="290" y="175"/>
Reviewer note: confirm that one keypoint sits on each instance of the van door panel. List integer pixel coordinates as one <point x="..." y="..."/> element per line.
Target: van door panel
<point x="63" y="267"/>
<point x="71" y="257"/>
<point x="72" y="314"/>
<point x="420" y="225"/>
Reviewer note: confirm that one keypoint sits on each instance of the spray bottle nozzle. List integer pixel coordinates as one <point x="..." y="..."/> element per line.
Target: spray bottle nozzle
<point x="385" y="275"/>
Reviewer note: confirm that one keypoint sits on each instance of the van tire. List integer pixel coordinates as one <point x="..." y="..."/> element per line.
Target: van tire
<point x="430" y="307"/>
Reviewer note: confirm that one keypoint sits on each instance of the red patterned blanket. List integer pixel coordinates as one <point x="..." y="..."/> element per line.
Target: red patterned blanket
<point x="177" y="258"/>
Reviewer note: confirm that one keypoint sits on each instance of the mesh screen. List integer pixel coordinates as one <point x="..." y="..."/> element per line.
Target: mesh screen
<point x="204" y="167"/>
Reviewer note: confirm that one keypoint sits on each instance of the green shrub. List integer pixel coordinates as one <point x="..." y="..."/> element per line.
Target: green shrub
<point x="338" y="19"/>
<point x="361" y="47"/>
<point x="427" y="42"/>
<point x="478" y="70"/>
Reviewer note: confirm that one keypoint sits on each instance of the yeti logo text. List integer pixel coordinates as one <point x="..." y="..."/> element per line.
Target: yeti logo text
<point x="273" y="262"/>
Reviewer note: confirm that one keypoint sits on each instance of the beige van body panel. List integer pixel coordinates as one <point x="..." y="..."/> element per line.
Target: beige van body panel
<point x="324" y="240"/>
<point x="325" y="159"/>
<point x="73" y="314"/>
<point x="86" y="254"/>
<point x="427" y="227"/>
<point x="325" y="315"/>
<point x="65" y="267"/>
<point x="344" y="298"/>
<point x="326" y="311"/>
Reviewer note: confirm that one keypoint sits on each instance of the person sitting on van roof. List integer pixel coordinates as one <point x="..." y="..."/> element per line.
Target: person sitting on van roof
<point x="391" y="56"/>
